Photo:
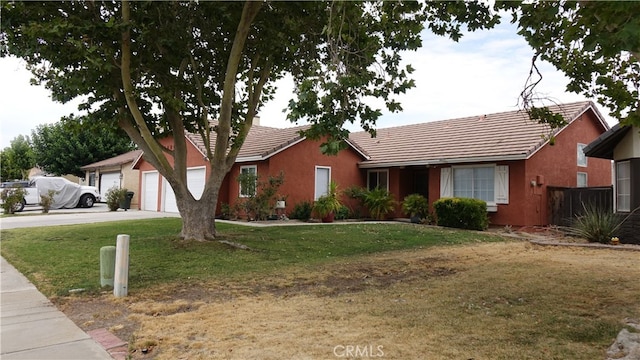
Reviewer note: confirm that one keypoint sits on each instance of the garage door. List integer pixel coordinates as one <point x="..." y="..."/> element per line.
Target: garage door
<point x="195" y="184"/>
<point x="150" y="191"/>
<point x="107" y="181"/>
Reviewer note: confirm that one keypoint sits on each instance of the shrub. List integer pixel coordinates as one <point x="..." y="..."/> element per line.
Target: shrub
<point x="462" y="213"/>
<point x="342" y="213"/>
<point x="12" y="199"/>
<point x="302" y="211"/>
<point x="114" y="196"/>
<point x="595" y="224"/>
<point x="47" y="200"/>
<point x="379" y="202"/>
<point x="415" y="205"/>
<point x="261" y="198"/>
<point x="226" y="212"/>
<point x="329" y="203"/>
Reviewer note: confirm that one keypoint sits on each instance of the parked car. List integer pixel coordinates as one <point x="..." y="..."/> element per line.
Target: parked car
<point x="31" y="193"/>
<point x="67" y="194"/>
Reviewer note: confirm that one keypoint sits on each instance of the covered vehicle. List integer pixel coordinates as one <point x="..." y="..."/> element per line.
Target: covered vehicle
<point x="67" y="194"/>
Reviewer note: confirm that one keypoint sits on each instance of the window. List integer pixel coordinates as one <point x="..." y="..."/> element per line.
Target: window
<point x="323" y="177"/>
<point x="378" y="179"/>
<point x="248" y="179"/>
<point x="474" y="182"/>
<point x="623" y="186"/>
<point x="582" y="158"/>
<point x="488" y="182"/>
<point x="582" y="179"/>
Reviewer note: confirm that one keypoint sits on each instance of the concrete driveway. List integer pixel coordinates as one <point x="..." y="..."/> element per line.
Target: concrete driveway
<point x="32" y="216"/>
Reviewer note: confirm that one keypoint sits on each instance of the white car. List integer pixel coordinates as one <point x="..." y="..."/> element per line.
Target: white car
<point x="66" y="193"/>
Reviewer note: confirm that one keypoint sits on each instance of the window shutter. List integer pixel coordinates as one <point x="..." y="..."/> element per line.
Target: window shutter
<point x="446" y="183"/>
<point x="502" y="184"/>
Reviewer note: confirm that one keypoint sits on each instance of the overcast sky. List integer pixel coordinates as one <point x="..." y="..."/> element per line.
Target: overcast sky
<point x="483" y="73"/>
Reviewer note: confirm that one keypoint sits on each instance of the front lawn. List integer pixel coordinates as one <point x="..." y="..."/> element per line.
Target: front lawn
<point x="57" y="259"/>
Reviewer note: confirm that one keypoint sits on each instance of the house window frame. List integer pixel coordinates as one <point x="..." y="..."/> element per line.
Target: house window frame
<point x="317" y="194"/>
<point x="586" y="179"/>
<point x="255" y="171"/>
<point x="378" y="171"/>
<point x="623" y="190"/>
<point x="581" y="160"/>
<point x="475" y="166"/>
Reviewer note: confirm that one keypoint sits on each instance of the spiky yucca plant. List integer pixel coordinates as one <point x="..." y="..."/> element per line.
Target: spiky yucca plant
<point x="595" y="225"/>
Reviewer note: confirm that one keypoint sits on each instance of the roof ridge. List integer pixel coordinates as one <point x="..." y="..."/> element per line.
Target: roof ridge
<point x="586" y="103"/>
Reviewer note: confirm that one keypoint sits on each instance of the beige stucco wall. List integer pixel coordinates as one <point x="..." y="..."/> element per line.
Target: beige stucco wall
<point x="129" y="180"/>
<point x="629" y="147"/>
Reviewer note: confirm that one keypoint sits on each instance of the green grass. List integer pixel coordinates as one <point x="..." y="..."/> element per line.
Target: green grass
<point x="60" y="258"/>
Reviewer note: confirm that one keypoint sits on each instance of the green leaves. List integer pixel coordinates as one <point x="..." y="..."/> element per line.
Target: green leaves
<point x="63" y="147"/>
<point x="596" y="44"/>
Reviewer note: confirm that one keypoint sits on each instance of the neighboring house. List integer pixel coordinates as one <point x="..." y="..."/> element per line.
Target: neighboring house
<point x="266" y="152"/>
<point x="622" y="145"/>
<point x="500" y="158"/>
<point x="116" y="171"/>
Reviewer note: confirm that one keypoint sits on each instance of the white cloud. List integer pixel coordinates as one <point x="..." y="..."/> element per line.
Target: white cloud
<point x="483" y="73"/>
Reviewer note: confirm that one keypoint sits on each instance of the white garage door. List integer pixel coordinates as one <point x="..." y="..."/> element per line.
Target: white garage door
<point x="195" y="184"/>
<point x="107" y="181"/>
<point x="150" y="191"/>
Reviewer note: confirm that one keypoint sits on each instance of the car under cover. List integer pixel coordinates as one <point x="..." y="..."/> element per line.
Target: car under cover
<point x="67" y="194"/>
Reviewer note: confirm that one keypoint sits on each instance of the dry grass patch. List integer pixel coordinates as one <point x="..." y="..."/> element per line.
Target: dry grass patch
<point x="487" y="301"/>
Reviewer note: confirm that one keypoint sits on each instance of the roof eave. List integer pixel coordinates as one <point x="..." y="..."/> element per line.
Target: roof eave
<point x="434" y="162"/>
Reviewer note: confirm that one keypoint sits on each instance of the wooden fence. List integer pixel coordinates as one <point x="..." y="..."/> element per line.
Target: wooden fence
<point x="567" y="203"/>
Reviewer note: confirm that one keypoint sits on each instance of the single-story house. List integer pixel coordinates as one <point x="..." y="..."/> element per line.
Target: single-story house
<point x="266" y="152"/>
<point x="504" y="158"/>
<point x="501" y="158"/>
<point x="622" y="145"/>
<point x="117" y="172"/>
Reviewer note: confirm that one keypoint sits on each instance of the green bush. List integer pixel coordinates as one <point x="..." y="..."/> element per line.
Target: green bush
<point x="342" y="213"/>
<point x="302" y="211"/>
<point x="114" y="196"/>
<point x="12" y="199"/>
<point x="47" y="200"/>
<point x="379" y="202"/>
<point x="415" y="205"/>
<point x="462" y="213"/>
<point x="595" y="224"/>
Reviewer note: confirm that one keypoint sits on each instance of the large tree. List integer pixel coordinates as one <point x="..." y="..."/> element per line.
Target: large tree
<point x="63" y="147"/>
<point x="595" y="43"/>
<point x="17" y="159"/>
<point x="160" y="69"/>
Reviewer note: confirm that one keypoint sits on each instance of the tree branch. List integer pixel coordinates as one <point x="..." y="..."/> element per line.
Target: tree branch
<point x="146" y="137"/>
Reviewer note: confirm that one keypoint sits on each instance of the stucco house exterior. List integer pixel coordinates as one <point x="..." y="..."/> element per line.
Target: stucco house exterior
<point x="622" y="145"/>
<point x="266" y="152"/>
<point x="501" y="158"/>
<point x="116" y="171"/>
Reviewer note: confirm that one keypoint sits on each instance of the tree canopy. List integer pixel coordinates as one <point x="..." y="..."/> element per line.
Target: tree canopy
<point x="17" y="159"/>
<point x="160" y="69"/>
<point x="595" y="43"/>
<point x="63" y="147"/>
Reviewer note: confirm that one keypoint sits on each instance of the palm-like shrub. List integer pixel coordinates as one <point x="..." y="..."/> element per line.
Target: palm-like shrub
<point x="379" y="202"/>
<point x="415" y="205"/>
<point x="595" y="224"/>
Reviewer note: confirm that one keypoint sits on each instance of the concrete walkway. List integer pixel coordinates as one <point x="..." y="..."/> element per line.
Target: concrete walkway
<point x="32" y="328"/>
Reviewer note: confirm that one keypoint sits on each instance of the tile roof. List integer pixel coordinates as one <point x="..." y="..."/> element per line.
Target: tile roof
<point x="491" y="137"/>
<point x="130" y="156"/>
<point x="261" y="142"/>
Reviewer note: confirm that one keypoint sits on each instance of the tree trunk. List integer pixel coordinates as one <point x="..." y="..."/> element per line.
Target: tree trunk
<point x="198" y="219"/>
<point x="198" y="216"/>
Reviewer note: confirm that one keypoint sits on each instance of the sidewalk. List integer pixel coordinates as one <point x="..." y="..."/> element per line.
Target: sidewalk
<point x="32" y="328"/>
